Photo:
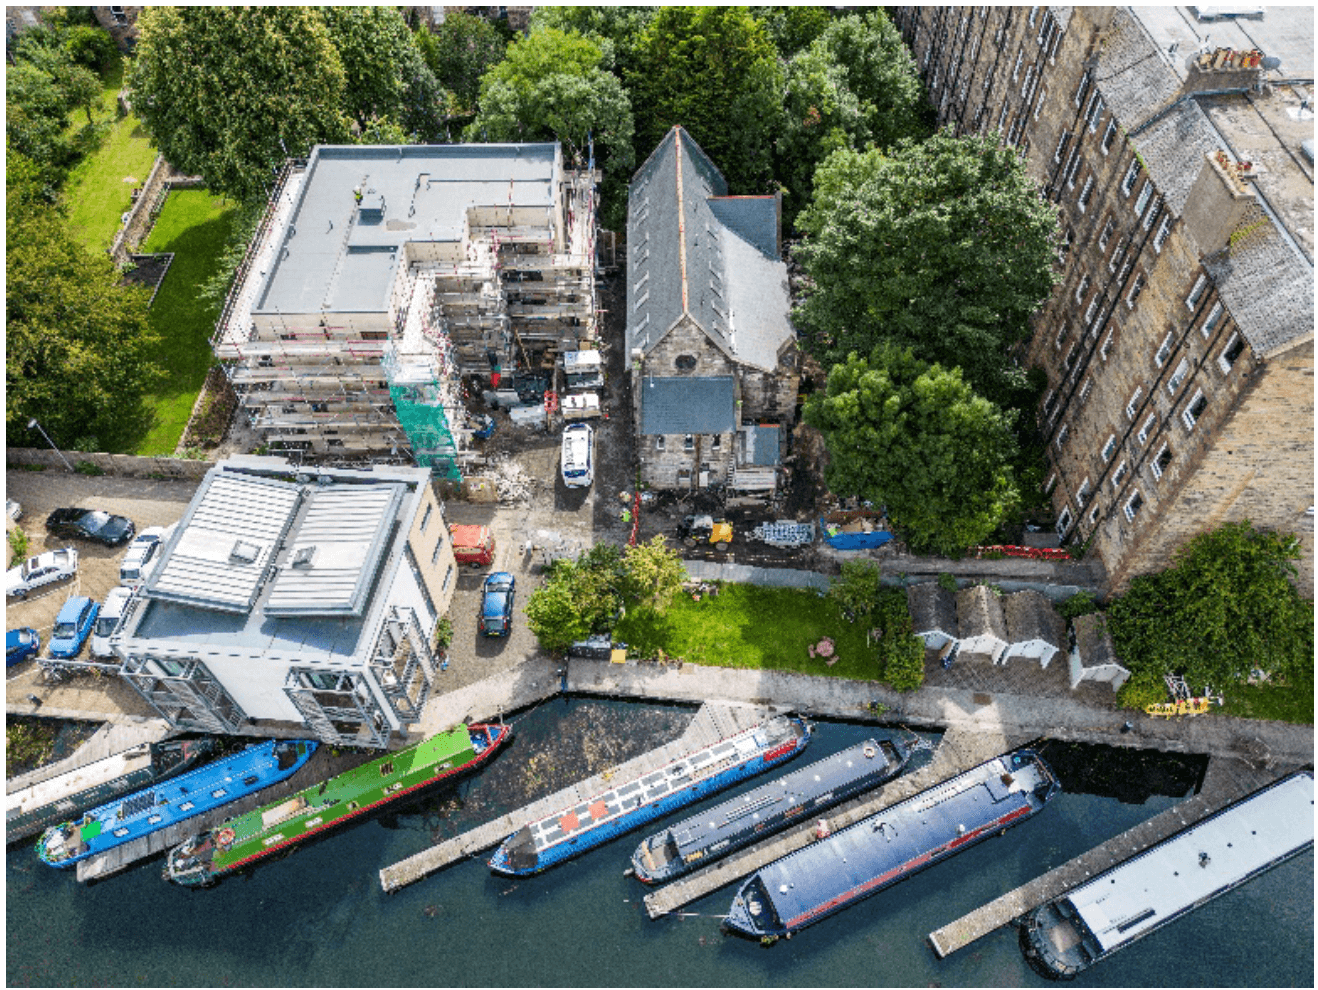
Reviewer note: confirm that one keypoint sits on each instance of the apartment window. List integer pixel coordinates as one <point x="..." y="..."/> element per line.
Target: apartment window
<point x="1151" y="214"/>
<point x="1064" y="522"/>
<point x="689" y="442"/>
<point x="1194" y="410"/>
<point x="1069" y="360"/>
<point x="1210" y="324"/>
<point x="1082" y="493"/>
<point x="1118" y="250"/>
<point x="1073" y="166"/>
<point x="1133" y="505"/>
<point x="1192" y="300"/>
<point x="1234" y="348"/>
<point x="1050" y="404"/>
<point x="1143" y="198"/>
<point x="1052" y="481"/>
<point x="1095" y="111"/>
<point x="659" y="443"/>
<point x="716" y="443"/>
<point x="1057" y="40"/>
<point x="448" y="576"/>
<point x="1061" y="146"/>
<point x="1132" y="173"/>
<point x="1093" y="516"/>
<point x="1162" y="461"/>
<point x="1016" y="69"/>
<point x="434" y="557"/>
<point x="1081" y="289"/>
<point x="1002" y="117"/>
<point x="1034" y="13"/>
<point x="1106" y="236"/>
<point x="1045" y="30"/>
<point x="1143" y="435"/>
<point x="1091" y="310"/>
<point x="1136" y="287"/>
<point x="1178" y="376"/>
<point x="1109" y="448"/>
<point x="1106" y="349"/>
<point x="425" y="518"/>
<point x="1025" y="86"/>
<point x="1119" y="475"/>
<point x="1133" y="405"/>
<point x="1164" y="350"/>
<point x="1084" y="193"/>
<point x="1085" y="390"/>
<point x="1164" y="229"/>
<point x="1038" y="104"/>
<point x="1062" y="434"/>
<point x="1064" y="248"/>
<point x="1109" y="135"/>
<point x="1080" y="90"/>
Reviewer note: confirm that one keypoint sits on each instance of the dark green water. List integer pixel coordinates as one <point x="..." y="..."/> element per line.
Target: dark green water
<point x="319" y="918"/>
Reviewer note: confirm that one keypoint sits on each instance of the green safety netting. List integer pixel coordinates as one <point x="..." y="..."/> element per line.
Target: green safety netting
<point x="421" y="415"/>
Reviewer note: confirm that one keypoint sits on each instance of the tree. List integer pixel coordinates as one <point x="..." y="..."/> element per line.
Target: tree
<point x="76" y="341"/>
<point x="1225" y="607"/>
<point x="654" y="574"/>
<point x="915" y="437"/>
<point x="617" y="29"/>
<point x="714" y="71"/>
<point x="856" y="589"/>
<point x="792" y="29"/>
<point x="551" y="613"/>
<point x="385" y="75"/>
<point x="459" y="52"/>
<point x="91" y="47"/>
<point x="945" y="247"/>
<point x="230" y="92"/>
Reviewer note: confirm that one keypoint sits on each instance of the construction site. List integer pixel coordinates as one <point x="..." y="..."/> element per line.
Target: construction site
<point x="388" y="289"/>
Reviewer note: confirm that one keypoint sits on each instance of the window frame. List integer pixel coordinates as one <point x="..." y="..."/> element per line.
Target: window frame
<point x="1225" y="363"/>
<point x="1188" y="416"/>
<point x="1109" y="448"/>
<point x="1157" y="469"/>
<point x="1197" y="291"/>
<point x="1212" y="319"/>
<point x="1133" y="505"/>
<point x="1148" y="429"/>
<point x="1132" y="406"/>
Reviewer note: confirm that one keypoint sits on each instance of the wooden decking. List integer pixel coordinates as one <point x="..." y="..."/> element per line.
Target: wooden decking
<point x="710" y="724"/>
<point x="321" y="765"/>
<point x="1227" y="780"/>
<point x="956" y="752"/>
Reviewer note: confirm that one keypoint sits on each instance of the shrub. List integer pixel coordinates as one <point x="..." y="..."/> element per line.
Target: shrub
<point x="18" y="545"/>
<point x="1081" y="603"/>
<point x="946" y="581"/>
<point x="857" y="589"/>
<point x="88" y="468"/>
<point x="1142" y="689"/>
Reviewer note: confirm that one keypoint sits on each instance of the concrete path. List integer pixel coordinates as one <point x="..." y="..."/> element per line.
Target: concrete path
<point x="111" y="738"/>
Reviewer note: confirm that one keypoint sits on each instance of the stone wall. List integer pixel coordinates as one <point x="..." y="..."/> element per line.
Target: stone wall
<point x="139" y="220"/>
<point x="122" y="465"/>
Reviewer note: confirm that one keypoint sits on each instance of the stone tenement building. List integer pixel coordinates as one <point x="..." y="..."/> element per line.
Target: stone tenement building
<point x="1179" y="343"/>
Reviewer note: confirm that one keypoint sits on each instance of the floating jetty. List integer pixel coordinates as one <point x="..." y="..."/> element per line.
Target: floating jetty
<point x="1227" y="781"/>
<point x="1231" y="847"/>
<point x="712" y="723"/>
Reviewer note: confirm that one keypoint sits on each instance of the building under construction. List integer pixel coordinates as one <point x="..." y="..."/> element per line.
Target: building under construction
<point x="381" y="277"/>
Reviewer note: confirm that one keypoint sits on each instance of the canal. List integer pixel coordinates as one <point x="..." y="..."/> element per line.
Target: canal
<point x="319" y="918"/>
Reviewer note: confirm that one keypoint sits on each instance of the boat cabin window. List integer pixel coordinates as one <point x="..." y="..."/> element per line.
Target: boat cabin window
<point x="218" y="792"/>
<point x="119" y="833"/>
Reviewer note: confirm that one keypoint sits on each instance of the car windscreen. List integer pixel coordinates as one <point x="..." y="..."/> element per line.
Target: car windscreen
<point x="64" y="629"/>
<point x="94" y="522"/>
<point x="105" y="625"/>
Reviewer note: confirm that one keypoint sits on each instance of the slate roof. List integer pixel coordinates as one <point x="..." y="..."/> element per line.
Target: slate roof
<point x="979" y="613"/>
<point x="687" y="405"/>
<point x="1093" y="641"/>
<point x="764" y="446"/>
<point x="1030" y="616"/>
<point x="689" y="254"/>
<point x="931" y="607"/>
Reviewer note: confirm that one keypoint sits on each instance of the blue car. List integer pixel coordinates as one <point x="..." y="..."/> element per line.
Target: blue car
<point x="72" y="627"/>
<point x="20" y="644"/>
<point x="497" y="604"/>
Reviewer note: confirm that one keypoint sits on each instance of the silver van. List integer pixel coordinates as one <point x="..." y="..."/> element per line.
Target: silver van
<point x="107" y="620"/>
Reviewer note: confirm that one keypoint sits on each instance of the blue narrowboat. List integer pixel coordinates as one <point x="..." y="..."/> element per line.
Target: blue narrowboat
<point x="149" y="810"/>
<point x="573" y="830"/>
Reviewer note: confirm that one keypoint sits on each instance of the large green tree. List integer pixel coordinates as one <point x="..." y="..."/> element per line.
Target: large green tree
<point x="916" y="438"/>
<point x="76" y="341"/>
<point x="714" y="71"/>
<point x="1225" y="607"/>
<point x="944" y="246"/>
<point x="460" y="51"/>
<point x="230" y="92"/>
<point x="617" y="29"/>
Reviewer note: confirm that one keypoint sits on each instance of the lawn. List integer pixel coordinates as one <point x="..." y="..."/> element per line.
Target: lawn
<point x="118" y="159"/>
<point x="754" y="628"/>
<point x="1282" y="703"/>
<point x="195" y="225"/>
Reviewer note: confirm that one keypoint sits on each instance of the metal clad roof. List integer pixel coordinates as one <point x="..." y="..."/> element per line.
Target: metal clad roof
<point x="343" y="534"/>
<point x="233" y="513"/>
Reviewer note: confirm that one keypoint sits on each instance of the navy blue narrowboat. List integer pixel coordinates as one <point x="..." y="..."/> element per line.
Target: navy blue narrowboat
<point x="146" y="811"/>
<point x="573" y="830"/>
<point x="839" y="870"/>
<point x="750" y="817"/>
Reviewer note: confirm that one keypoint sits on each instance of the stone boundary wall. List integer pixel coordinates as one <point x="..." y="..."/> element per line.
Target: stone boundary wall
<point x="122" y="465"/>
<point x="143" y="213"/>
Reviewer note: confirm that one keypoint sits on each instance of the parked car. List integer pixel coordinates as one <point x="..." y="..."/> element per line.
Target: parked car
<point x="72" y="627"/>
<point x="578" y="455"/>
<point x="53" y="565"/>
<point x="143" y="555"/>
<point x="91" y="524"/>
<point x="107" y="621"/>
<point x="497" y="604"/>
<point x="13" y="509"/>
<point x="21" y="644"/>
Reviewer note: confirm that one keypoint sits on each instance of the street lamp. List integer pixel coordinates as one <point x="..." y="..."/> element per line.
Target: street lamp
<point x="33" y="424"/>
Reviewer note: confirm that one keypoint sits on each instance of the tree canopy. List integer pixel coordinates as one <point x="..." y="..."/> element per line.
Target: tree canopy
<point x="916" y="438"/>
<point x="460" y="51"/>
<point x="1225" y="607"/>
<point x="714" y="71"/>
<point x="944" y="246"/>
<point x="230" y="92"/>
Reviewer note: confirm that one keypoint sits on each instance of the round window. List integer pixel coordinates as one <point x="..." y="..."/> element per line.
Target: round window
<point x="685" y="362"/>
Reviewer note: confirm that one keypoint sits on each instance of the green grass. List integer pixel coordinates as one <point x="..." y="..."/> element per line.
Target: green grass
<point x="117" y="160"/>
<point x="1281" y="703"/>
<point x="195" y="225"/>
<point x="755" y="628"/>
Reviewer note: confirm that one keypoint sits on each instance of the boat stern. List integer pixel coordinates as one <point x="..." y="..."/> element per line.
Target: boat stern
<point x="189" y="863"/>
<point x="752" y="914"/>
<point x="516" y="857"/>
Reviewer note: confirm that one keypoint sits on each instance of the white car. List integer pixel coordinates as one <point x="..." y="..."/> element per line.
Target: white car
<point x="578" y="455"/>
<point x="53" y="565"/>
<point x="107" y="621"/>
<point x="143" y="555"/>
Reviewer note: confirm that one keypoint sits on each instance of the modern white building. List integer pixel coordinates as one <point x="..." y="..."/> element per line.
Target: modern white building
<point x="290" y="597"/>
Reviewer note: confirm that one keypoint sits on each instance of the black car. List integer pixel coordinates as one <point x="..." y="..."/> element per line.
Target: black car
<point x="91" y="524"/>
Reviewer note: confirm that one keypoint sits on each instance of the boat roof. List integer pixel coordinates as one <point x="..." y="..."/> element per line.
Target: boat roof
<point x="1122" y="904"/>
<point x="804" y="784"/>
<point x="804" y="882"/>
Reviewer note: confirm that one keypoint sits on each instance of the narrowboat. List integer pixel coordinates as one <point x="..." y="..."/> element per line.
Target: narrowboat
<point x="842" y="868"/>
<point x="205" y="859"/>
<point x="579" y="827"/>
<point x="151" y="809"/>
<point x="750" y="817"/>
<point x="1066" y="936"/>
<point x="56" y="799"/>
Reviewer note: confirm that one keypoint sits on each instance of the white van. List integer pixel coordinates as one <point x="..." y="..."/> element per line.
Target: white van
<point x="107" y="620"/>
<point x="143" y="554"/>
<point x="578" y="455"/>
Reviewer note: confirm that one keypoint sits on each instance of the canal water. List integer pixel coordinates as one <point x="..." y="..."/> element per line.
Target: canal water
<point x="319" y="918"/>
